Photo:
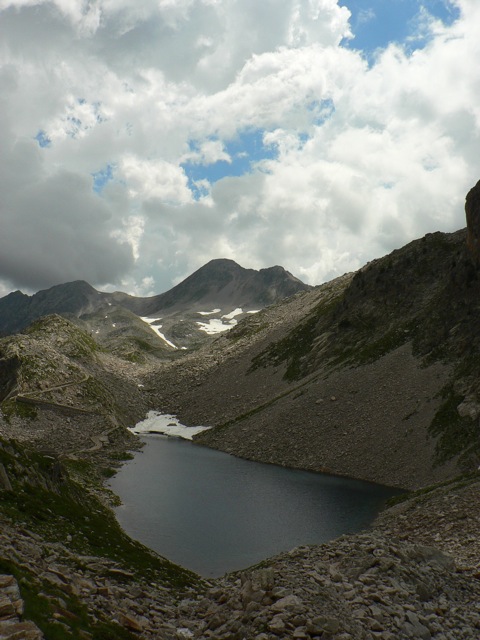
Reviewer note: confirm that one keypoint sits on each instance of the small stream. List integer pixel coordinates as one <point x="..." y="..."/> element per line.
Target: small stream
<point x="214" y="513"/>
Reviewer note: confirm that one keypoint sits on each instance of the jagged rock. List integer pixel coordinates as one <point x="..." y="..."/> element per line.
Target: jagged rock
<point x="277" y="625"/>
<point x="131" y="622"/>
<point x="472" y="212"/>
<point x="7" y="610"/>
<point x="322" y="624"/>
<point x="11" y="608"/>
<point x="20" y="631"/>
<point x="4" y="479"/>
<point x="469" y="408"/>
<point x="264" y="579"/>
<point x="288" y="602"/>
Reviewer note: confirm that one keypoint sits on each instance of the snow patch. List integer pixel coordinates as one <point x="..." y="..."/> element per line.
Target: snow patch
<point x="163" y="337"/>
<point x="156" y="328"/>
<point x="150" y="320"/>
<point x="218" y="325"/>
<point x="165" y="424"/>
<point x="215" y="325"/>
<point x="232" y="314"/>
<point x="208" y="313"/>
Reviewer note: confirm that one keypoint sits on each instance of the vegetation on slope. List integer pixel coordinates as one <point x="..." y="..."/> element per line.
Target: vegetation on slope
<point x="55" y="364"/>
<point x="426" y="294"/>
<point x="46" y="498"/>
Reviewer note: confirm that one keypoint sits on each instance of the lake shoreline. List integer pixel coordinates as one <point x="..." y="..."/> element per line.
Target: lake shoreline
<point x="256" y="482"/>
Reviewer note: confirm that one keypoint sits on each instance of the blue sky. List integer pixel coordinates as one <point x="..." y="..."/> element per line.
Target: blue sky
<point x="375" y="24"/>
<point x="244" y="152"/>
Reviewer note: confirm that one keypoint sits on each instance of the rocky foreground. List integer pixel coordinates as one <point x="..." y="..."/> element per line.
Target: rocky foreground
<point x="415" y="574"/>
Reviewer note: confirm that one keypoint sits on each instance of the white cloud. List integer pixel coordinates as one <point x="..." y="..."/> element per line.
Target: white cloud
<point x="158" y="180"/>
<point x="366" y="15"/>
<point x="131" y="233"/>
<point x="209" y="152"/>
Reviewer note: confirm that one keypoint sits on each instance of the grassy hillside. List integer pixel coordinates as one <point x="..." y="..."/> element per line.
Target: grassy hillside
<point x="45" y="499"/>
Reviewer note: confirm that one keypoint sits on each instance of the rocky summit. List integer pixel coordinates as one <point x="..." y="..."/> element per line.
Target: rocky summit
<point x="374" y="375"/>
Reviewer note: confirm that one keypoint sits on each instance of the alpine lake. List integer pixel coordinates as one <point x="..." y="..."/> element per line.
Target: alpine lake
<point x="213" y="513"/>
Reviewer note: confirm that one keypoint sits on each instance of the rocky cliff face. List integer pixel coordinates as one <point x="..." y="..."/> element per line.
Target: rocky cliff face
<point x="472" y="211"/>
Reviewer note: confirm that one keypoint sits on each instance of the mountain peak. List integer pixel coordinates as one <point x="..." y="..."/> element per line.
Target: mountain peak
<point x="224" y="283"/>
<point x="220" y="262"/>
<point x="18" y="310"/>
<point x="220" y="265"/>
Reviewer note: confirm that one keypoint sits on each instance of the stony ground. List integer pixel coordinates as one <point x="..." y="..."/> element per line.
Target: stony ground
<point x="106" y="589"/>
<point x="367" y="422"/>
<point x="415" y="574"/>
<point x="360" y="587"/>
<point x="11" y="611"/>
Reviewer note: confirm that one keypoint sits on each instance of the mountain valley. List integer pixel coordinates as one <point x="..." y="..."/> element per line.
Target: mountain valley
<point x="373" y="375"/>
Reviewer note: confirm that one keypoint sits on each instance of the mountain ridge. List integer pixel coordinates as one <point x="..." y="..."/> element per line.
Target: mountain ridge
<point x="220" y="281"/>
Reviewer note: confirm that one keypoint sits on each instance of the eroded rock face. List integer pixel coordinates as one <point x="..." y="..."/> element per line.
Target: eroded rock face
<point x="472" y="211"/>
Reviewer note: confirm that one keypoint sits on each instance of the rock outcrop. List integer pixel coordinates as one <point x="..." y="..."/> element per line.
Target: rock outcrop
<point x="12" y="626"/>
<point x="472" y="211"/>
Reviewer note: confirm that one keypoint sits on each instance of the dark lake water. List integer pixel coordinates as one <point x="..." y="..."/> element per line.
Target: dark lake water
<point x="213" y="513"/>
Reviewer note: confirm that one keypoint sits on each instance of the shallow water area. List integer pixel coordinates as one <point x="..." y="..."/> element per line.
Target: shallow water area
<point x="214" y="513"/>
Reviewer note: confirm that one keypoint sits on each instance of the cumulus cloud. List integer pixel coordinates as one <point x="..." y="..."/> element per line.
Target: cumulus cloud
<point x="107" y="104"/>
<point x="57" y="230"/>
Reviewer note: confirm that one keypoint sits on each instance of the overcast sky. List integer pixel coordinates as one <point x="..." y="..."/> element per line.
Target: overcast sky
<point x="141" y="138"/>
